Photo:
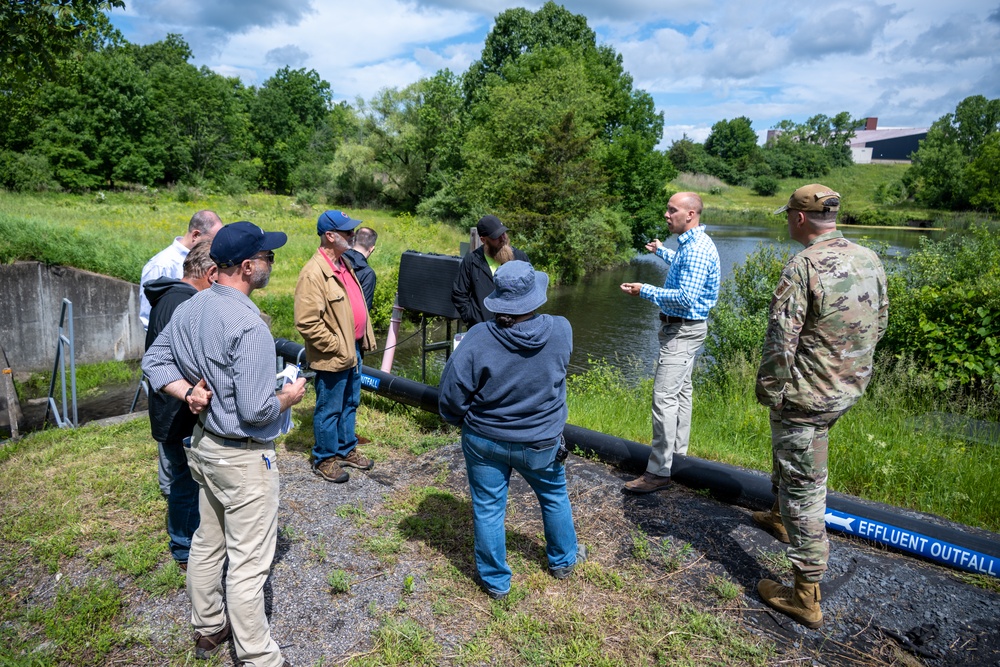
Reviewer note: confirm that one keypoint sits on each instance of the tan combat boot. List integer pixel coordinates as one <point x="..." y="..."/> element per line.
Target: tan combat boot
<point x="800" y="603"/>
<point x="771" y="521"/>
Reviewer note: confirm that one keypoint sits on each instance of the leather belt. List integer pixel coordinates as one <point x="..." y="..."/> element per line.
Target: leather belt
<point x="239" y="443"/>
<point x="670" y="319"/>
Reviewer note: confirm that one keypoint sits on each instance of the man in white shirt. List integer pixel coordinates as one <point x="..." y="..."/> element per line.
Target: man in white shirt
<point x="169" y="262"/>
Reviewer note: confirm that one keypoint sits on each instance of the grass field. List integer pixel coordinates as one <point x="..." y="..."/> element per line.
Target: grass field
<point x="116" y="233"/>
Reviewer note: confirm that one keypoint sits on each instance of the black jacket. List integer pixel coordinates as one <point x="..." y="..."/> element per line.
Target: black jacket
<point x="474" y="283"/>
<point x="169" y="419"/>
<point x="366" y="275"/>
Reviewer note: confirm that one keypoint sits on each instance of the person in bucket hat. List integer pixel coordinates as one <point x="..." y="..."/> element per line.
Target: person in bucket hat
<point x="505" y="385"/>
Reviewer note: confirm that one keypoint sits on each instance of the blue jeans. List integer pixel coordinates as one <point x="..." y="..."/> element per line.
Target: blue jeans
<point x="338" y="396"/>
<point x="489" y="463"/>
<point x="182" y="502"/>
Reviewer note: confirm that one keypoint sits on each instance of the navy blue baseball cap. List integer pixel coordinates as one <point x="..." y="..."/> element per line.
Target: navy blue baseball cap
<point x="335" y="221"/>
<point x="238" y="241"/>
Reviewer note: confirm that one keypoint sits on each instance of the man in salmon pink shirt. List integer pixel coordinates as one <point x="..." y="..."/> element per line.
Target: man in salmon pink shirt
<point x="331" y="315"/>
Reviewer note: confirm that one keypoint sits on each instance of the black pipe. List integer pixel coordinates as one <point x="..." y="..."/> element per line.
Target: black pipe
<point x="869" y="520"/>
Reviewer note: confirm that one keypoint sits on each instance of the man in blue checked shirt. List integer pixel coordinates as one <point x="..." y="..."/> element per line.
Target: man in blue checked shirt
<point x="688" y="293"/>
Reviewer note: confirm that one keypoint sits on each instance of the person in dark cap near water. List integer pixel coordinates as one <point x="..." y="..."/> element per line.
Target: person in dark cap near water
<point x="474" y="281"/>
<point x="217" y="356"/>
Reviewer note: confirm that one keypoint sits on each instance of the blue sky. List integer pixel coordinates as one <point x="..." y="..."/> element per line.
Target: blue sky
<point x="702" y="60"/>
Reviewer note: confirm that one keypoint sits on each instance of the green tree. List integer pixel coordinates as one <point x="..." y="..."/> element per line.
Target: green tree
<point x="626" y="128"/>
<point x="563" y="184"/>
<point x="415" y="137"/>
<point x="517" y="32"/>
<point x="687" y="155"/>
<point x="286" y="112"/>
<point x="939" y="175"/>
<point x="732" y="140"/>
<point x="983" y="175"/>
<point x="515" y="114"/>
<point x="36" y="34"/>
<point x="200" y="115"/>
<point x="96" y="124"/>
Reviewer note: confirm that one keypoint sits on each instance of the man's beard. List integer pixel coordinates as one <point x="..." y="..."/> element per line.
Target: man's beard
<point x="502" y="255"/>
<point x="260" y="277"/>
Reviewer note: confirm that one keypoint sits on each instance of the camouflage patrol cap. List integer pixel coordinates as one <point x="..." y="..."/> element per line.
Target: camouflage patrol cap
<point x="813" y="197"/>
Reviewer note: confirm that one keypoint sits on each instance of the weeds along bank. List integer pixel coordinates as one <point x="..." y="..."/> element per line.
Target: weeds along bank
<point x="880" y="450"/>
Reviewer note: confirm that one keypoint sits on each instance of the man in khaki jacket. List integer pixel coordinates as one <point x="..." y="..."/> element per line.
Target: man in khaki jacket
<point x="331" y="315"/>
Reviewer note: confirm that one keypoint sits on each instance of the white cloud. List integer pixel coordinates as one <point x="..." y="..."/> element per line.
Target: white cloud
<point x="701" y="60"/>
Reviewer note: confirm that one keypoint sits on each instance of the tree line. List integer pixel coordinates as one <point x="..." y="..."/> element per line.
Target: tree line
<point x="545" y="129"/>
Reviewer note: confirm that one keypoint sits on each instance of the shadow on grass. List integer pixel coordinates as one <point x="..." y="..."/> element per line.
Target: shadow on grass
<point x="444" y="523"/>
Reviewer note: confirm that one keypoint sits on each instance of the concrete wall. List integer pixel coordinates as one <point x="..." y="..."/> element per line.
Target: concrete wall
<point x="105" y="315"/>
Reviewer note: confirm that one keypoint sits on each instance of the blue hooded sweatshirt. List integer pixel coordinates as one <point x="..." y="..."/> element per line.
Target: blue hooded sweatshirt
<point x="509" y="384"/>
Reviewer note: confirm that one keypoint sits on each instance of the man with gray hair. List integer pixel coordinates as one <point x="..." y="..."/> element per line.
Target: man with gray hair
<point x="169" y="419"/>
<point x="217" y="355"/>
<point x="827" y="313"/>
<point x="169" y="263"/>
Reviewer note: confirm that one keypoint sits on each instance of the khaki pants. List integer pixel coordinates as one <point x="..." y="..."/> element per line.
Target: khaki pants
<point x="238" y="500"/>
<point x="679" y="344"/>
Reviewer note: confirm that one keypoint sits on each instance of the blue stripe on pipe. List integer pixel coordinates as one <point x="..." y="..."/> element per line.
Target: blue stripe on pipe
<point x="915" y="543"/>
<point x="370" y="382"/>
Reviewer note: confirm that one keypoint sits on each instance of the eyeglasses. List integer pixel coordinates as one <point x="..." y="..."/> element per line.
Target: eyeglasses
<point x="268" y="257"/>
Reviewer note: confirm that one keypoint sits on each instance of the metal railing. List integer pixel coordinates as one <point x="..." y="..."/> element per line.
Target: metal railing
<point x="65" y="342"/>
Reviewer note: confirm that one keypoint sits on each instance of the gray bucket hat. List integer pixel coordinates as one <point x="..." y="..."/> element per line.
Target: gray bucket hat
<point x="517" y="289"/>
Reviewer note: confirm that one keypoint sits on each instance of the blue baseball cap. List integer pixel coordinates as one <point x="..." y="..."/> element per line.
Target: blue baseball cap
<point x="335" y="221"/>
<point x="238" y="241"/>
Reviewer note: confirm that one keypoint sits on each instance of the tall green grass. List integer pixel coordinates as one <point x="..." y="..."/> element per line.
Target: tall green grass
<point x="877" y="451"/>
<point x="116" y="234"/>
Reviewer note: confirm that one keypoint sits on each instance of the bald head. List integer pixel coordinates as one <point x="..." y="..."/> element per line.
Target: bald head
<point x="203" y="225"/>
<point x="683" y="212"/>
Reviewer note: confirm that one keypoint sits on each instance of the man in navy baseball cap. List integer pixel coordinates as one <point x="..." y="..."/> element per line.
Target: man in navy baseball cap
<point x="239" y="241"/>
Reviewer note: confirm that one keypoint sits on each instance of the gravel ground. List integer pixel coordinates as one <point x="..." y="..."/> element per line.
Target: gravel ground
<point x="879" y="607"/>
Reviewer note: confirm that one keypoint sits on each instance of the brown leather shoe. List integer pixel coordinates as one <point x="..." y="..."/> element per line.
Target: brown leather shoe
<point x="331" y="471"/>
<point x="647" y="483"/>
<point x="205" y="646"/>
<point x="362" y="440"/>
<point x="355" y="460"/>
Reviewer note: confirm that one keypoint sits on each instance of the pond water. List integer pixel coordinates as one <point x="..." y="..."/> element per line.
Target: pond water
<point x="620" y="329"/>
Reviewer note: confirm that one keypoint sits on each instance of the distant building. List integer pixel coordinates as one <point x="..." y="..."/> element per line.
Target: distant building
<point x="890" y="144"/>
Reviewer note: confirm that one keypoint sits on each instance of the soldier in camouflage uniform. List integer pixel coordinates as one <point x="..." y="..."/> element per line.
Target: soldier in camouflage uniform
<point x="828" y="312"/>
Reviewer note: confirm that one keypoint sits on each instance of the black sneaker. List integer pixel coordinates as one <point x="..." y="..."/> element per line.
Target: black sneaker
<point x="494" y="595"/>
<point x="563" y="572"/>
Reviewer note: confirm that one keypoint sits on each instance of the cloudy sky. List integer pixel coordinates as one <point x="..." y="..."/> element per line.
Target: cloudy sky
<point x="908" y="63"/>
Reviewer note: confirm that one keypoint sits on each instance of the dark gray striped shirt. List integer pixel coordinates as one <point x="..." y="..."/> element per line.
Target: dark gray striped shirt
<point x="218" y="335"/>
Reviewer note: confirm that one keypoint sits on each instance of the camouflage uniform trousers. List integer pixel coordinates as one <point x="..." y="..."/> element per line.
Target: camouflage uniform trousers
<point x="799" y="443"/>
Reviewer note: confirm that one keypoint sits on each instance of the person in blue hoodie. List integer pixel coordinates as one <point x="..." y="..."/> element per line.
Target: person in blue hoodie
<point x="505" y="385"/>
<point x="170" y="420"/>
